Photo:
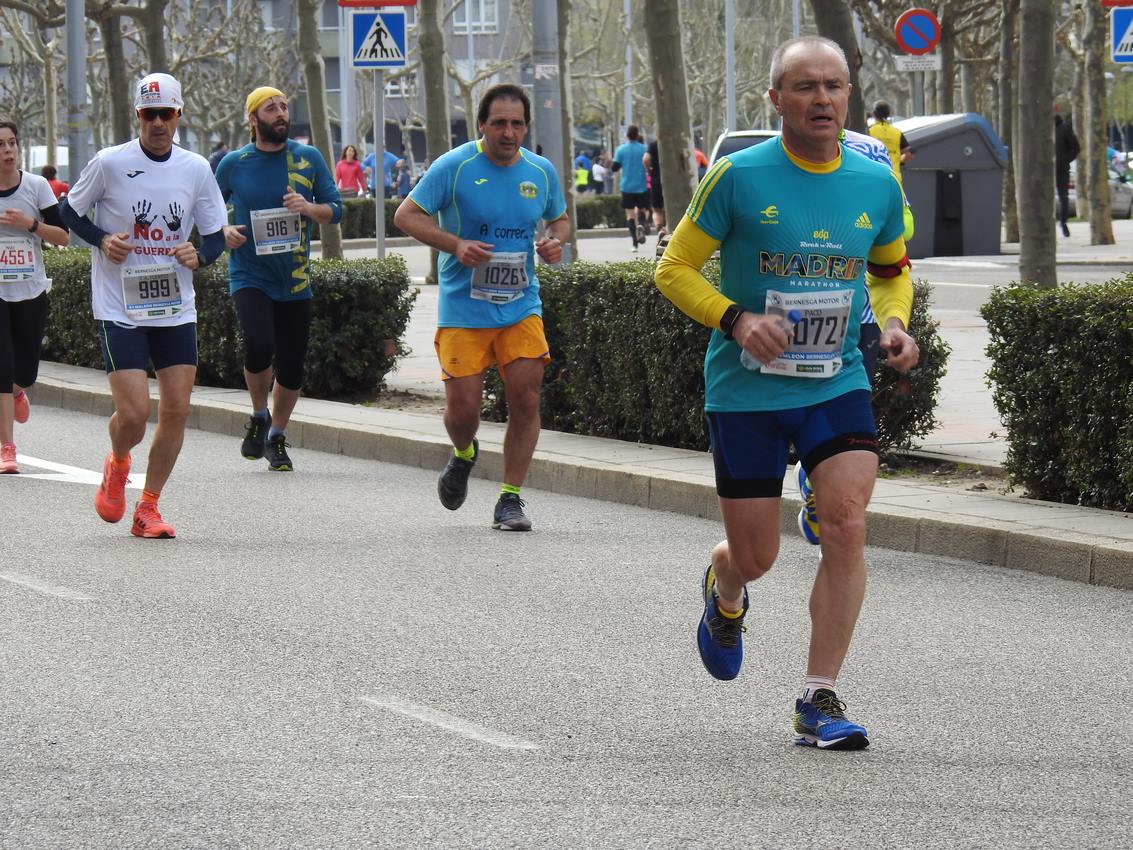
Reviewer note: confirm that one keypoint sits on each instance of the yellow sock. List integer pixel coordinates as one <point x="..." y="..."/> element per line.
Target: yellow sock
<point x="465" y="454"/>
<point x="508" y="488"/>
<point x="724" y="612"/>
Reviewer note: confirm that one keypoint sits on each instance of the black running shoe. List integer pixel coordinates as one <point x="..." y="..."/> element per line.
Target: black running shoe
<point x="509" y="515"/>
<point x="452" y="486"/>
<point x="255" y="432"/>
<point x="278" y="461"/>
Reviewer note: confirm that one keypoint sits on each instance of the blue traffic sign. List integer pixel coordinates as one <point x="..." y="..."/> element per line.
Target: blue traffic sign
<point x="1121" y="34"/>
<point x="378" y="39"/>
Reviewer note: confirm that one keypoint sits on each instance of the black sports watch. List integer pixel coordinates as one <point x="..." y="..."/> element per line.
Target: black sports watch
<point x="729" y="319"/>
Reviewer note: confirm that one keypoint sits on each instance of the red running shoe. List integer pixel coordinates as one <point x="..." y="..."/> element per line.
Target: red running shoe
<point x="22" y="407"/>
<point x="110" y="500"/>
<point x="148" y="523"/>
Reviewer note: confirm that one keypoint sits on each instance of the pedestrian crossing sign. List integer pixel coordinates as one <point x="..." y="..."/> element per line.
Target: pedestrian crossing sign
<point x="378" y="39"/>
<point x="1121" y="34"/>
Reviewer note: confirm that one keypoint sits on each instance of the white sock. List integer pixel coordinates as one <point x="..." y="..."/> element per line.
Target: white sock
<point x="813" y="684"/>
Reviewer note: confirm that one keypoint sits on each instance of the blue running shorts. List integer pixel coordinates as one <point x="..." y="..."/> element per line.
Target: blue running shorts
<point x="128" y="347"/>
<point x="750" y="449"/>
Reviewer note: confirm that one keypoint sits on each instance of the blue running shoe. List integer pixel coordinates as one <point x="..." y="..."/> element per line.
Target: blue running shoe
<point x="822" y="723"/>
<point x="719" y="638"/>
<point x="808" y="514"/>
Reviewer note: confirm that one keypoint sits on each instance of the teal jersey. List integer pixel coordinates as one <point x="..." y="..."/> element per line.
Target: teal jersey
<point x="629" y="155"/>
<point x="498" y="204"/>
<point x="794" y="240"/>
<point x="276" y="256"/>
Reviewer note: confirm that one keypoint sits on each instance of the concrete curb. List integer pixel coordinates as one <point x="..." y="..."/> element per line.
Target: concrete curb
<point x="1018" y="535"/>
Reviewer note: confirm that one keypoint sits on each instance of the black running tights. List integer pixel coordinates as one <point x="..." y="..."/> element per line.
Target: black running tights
<point x="21" y="336"/>
<point x="279" y="328"/>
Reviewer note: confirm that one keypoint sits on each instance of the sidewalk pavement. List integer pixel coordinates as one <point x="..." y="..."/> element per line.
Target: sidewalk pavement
<point x="1081" y="544"/>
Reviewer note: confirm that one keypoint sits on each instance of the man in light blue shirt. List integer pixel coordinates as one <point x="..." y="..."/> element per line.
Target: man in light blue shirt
<point x="489" y="196"/>
<point x="635" y="192"/>
<point x="389" y="163"/>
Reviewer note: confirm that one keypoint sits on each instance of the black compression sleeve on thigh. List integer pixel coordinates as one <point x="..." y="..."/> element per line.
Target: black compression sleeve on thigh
<point x="254" y="311"/>
<point x="292" y="334"/>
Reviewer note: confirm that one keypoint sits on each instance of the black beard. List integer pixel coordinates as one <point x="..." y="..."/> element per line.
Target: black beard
<point x="267" y="133"/>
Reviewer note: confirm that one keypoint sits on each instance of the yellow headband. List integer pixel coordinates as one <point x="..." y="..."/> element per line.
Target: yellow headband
<point x="259" y="97"/>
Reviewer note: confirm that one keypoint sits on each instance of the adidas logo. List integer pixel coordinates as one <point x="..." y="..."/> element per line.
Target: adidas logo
<point x="863" y="222"/>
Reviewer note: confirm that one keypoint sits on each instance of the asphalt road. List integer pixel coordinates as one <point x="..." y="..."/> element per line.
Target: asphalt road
<point x="330" y="659"/>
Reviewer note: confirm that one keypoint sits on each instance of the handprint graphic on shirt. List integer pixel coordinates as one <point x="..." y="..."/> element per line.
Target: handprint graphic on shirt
<point x="174" y="223"/>
<point x="142" y="211"/>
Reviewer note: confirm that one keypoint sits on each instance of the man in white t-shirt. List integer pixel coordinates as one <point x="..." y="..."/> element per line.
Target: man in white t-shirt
<point x="146" y="195"/>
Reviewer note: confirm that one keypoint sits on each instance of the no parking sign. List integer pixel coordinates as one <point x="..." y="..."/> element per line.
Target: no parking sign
<point x="917" y="31"/>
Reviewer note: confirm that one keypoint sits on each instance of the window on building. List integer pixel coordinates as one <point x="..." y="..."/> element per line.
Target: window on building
<point x="267" y="9"/>
<point x="402" y="87"/>
<point x="333" y="72"/>
<point x="484" y="15"/>
<point x="328" y="17"/>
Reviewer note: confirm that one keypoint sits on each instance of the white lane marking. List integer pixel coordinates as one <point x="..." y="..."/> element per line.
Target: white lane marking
<point x="71" y="474"/>
<point x="451" y="722"/>
<point x="44" y="587"/>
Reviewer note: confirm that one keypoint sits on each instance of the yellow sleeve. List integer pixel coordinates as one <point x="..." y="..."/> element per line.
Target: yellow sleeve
<point x="891" y="297"/>
<point x="679" y="279"/>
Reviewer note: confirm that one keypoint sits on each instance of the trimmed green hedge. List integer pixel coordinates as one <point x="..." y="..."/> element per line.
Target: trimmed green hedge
<point x="358" y="306"/>
<point x="358" y="215"/>
<point x="629" y="366"/>
<point x="1062" y="381"/>
<point x="600" y="210"/>
<point x="358" y="219"/>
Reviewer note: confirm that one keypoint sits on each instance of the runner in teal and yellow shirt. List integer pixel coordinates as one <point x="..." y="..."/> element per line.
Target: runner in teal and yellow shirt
<point x="798" y="222"/>
<point x="489" y="197"/>
<point x="277" y="188"/>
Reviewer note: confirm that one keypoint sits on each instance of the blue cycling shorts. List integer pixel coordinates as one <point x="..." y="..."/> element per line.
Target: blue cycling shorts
<point x="750" y="449"/>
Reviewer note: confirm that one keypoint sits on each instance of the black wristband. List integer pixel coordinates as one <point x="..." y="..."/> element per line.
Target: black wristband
<point x="34" y="225"/>
<point x="200" y="261"/>
<point x="728" y="320"/>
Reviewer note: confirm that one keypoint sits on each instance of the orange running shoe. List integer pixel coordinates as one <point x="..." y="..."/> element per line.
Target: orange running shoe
<point x="110" y="500"/>
<point x="148" y="522"/>
<point x="22" y="408"/>
<point x="8" y="459"/>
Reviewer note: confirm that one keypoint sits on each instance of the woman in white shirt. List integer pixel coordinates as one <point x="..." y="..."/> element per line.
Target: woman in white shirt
<point x="29" y="216"/>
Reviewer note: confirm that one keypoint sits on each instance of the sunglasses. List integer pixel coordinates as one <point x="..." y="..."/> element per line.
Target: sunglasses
<point x="165" y="113"/>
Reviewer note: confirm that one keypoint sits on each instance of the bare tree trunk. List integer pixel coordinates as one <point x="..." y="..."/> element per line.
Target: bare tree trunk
<point x="431" y="43"/>
<point x="152" y="22"/>
<point x="1007" y="111"/>
<point x="314" y="77"/>
<point x="947" y="72"/>
<point x="1093" y="128"/>
<point x="835" y="22"/>
<point x="968" y="98"/>
<point x="563" y="7"/>
<point x="670" y="92"/>
<point x="121" y="110"/>
<point x="1036" y="144"/>
<point x="1085" y="179"/>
